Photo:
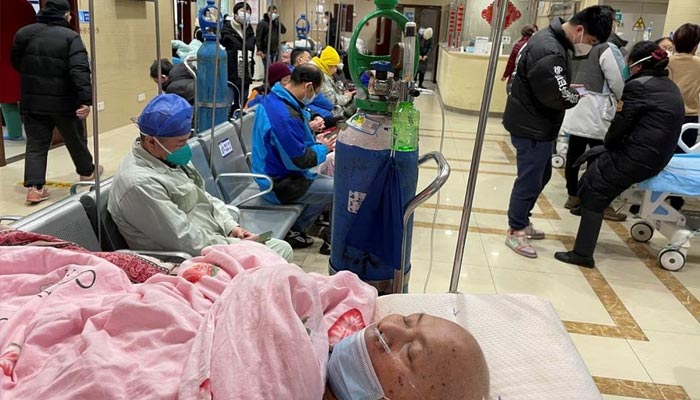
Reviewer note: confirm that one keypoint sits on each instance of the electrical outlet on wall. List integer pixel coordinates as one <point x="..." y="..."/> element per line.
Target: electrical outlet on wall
<point x="100" y="106"/>
<point x="141" y="97"/>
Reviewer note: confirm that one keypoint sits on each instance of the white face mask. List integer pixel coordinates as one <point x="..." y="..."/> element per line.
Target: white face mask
<point x="243" y="17"/>
<point x="274" y="16"/>
<point x="325" y="20"/>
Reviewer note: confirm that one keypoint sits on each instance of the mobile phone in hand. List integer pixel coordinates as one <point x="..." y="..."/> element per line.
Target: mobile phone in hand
<point x="264" y="237"/>
<point x="581" y="90"/>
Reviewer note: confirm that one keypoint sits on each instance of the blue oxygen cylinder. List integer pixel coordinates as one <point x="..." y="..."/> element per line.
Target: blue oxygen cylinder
<point x="206" y="64"/>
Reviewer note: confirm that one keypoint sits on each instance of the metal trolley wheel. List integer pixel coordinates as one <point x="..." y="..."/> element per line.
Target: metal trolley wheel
<point x="671" y="259"/>
<point x="642" y="232"/>
<point x="558" y="161"/>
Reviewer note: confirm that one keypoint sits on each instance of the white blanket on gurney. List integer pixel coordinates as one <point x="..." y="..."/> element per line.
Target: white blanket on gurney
<point x="681" y="176"/>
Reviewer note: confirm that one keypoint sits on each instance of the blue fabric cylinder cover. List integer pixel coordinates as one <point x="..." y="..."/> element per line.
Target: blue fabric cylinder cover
<point x="371" y="190"/>
<point x="206" y="56"/>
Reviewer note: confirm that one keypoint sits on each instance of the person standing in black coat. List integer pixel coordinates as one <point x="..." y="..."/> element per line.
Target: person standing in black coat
<point x="534" y="112"/>
<point x="639" y="144"/>
<point x="240" y="65"/>
<point x="426" y="46"/>
<point x="268" y="33"/>
<point x="56" y="92"/>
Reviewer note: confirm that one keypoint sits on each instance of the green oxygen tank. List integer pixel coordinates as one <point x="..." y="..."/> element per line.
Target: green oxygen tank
<point x="404" y="127"/>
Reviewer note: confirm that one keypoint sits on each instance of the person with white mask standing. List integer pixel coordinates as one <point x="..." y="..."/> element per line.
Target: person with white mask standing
<point x="268" y="33"/>
<point x="596" y="70"/>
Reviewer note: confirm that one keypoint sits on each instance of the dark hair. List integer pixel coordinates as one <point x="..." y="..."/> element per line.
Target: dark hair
<point x="307" y="73"/>
<point x="296" y="53"/>
<point x="272" y="7"/>
<point x="165" y="67"/>
<point x="642" y="50"/>
<point x="596" y="20"/>
<point x="198" y="34"/>
<point x="528" y="30"/>
<point x="240" y="5"/>
<point x="686" y="38"/>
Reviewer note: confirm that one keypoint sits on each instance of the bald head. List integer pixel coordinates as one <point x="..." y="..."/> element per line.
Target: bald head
<point x="431" y="358"/>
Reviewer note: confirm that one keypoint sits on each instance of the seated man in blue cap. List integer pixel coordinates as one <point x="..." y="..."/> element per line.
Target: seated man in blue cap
<point x="285" y="149"/>
<point x="158" y="199"/>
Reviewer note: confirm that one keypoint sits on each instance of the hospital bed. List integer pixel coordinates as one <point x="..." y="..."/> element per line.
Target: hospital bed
<point x="681" y="177"/>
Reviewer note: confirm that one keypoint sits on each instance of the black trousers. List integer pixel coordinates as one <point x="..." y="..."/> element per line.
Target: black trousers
<point x="39" y="128"/>
<point x="577" y="146"/>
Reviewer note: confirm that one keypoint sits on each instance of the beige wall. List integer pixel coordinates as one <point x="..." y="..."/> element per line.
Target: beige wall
<point x="681" y="11"/>
<point x="126" y="47"/>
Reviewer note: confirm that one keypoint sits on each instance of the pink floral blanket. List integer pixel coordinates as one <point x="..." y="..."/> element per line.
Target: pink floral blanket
<point x="238" y="323"/>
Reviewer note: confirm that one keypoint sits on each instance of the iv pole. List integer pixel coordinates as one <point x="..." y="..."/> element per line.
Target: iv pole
<point x="95" y="124"/>
<point x="496" y="35"/>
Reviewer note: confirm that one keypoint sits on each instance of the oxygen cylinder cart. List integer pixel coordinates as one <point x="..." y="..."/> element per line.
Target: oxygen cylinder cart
<point x="376" y="170"/>
<point x="211" y="72"/>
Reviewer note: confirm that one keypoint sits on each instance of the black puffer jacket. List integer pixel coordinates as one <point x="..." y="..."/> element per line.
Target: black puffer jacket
<point x="180" y="82"/>
<point x="540" y="92"/>
<point x="640" y="141"/>
<point x="262" y="32"/>
<point x="53" y="65"/>
<point x="233" y="42"/>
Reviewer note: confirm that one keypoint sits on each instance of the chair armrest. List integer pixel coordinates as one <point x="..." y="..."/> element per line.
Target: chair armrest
<point x="74" y="187"/>
<point x="10" y="218"/>
<point x="252" y="177"/>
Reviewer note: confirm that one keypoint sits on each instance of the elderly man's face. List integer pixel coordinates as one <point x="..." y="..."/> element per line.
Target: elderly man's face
<point x="431" y="358"/>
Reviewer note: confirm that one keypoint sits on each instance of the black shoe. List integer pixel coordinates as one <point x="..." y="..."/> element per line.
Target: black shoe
<point x="571" y="257"/>
<point x="298" y="240"/>
<point x="576" y="211"/>
<point x="325" y="249"/>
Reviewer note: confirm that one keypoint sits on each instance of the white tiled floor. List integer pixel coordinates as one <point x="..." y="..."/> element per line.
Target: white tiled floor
<point x="671" y="356"/>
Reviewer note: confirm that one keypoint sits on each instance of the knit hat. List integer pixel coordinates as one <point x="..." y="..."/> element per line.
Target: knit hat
<point x="58" y="5"/>
<point x="167" y="115"/>
<point x="329" y="58"/>
<point x="277" y="72"/>
<point x="428" y="34"/>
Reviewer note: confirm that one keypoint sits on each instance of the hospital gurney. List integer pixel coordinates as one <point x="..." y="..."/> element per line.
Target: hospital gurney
<point x="528" y="351"/>
<point x="681" y="177"/>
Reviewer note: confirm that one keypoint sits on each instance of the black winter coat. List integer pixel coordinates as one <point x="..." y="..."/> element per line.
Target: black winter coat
<point x="233" y="42"/>
<point x="262" y="32"/>
<point x="640" y="141"/>
<point x="53" y="65"/>
<point x="180" y="82"/>
<point x="540" y="86"/>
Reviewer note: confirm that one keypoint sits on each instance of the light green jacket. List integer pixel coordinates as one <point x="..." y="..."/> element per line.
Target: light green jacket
<point x="161" y="208"/>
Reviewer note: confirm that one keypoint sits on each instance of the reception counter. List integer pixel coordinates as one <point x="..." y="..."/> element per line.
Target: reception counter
<point x="461" y="78"/>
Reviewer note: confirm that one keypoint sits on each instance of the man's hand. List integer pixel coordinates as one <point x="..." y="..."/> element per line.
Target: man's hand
<point x="83" y="111"/>
<point x="317" y="124"/>
<point x="328" y="142"/>
<point x="240" y="233"/>
<point x="503" y="79"/>
<point x="261" y="54"/>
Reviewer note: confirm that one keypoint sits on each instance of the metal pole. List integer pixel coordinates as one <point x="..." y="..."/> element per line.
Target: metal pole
<point x="496" y="36"/>
<point x="95" y="124"/>
<point x="268" y="59"/>
<point x="215" y="103"/>
<point x="243" y="92"/>
<point x="339" y="21"/>
<point x="158" y="53"/>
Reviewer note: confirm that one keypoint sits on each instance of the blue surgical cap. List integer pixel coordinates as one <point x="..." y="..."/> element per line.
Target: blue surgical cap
<point x="167" y="115"/>
<point x="350" y="371"/>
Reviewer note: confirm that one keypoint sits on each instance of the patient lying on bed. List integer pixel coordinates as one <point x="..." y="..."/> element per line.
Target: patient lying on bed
<point x="413" y="357"/>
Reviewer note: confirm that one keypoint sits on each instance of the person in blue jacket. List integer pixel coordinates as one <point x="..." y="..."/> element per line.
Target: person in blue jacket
<point x="285" y="149"/>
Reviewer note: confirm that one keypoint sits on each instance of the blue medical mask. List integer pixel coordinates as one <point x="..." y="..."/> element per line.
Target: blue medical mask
<point x="350" y="371"/>
<point x="308" y="101"/>
<point x="181" y="156"/>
